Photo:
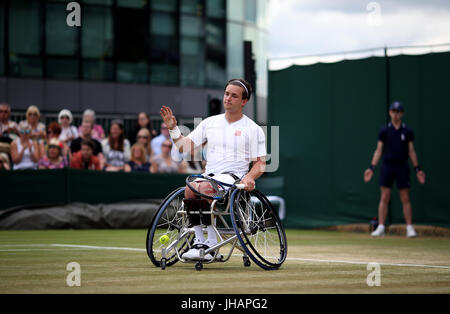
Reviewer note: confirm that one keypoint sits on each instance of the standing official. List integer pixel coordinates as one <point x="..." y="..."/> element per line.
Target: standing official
<point x="395" y="145"/>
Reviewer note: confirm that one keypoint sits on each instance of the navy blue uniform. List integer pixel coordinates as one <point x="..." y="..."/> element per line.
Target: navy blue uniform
<point x="395" y="155"/>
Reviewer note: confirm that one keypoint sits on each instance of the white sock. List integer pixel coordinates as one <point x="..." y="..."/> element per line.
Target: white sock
<point x="408" y="227"/>
<point x="380" y="226"/>
<point x="199" y="237"/>
<point x="212" y="237"/>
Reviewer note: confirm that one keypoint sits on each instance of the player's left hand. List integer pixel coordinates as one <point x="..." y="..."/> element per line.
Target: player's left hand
<point x="421" y="177"/>
<point x="249" y="183"/>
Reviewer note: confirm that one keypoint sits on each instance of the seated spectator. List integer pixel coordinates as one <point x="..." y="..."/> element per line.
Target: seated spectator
<point x="85" y="158"/>
<point x="54" y="159"/>
<point x="53" y="132"/>
<point x="164" y="163"/>
<point x="97" y="130"/>
<point x="116" y="148"/>
<point x="157" y="141"/>
<point x="138" y="162"/>
<point x="143" y="122"/>
<point x="68" y="131"/>
<point x="86" y="134"/>
<point x="24" y="151"/>
<point x="4" y="162"/>
<point x="37" y="128"/>
<point x="9" y="130"/>
<point x="156" y="144"/>
<point x="144" y="138"/>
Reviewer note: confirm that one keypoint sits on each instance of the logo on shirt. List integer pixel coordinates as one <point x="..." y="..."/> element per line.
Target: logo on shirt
<point x="237" y="133"/>
<point x="402" y="137"/>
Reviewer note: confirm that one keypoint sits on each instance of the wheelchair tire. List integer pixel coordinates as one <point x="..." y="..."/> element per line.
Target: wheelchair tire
<point x="258" y="228"/>
<point x="167" y="222"/>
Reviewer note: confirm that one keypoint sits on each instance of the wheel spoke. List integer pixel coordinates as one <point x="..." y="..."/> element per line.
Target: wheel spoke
<point x="262" y="234"/>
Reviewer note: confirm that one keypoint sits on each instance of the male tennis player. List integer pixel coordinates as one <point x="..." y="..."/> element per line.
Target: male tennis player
<point x="395" y="144"/>
<point x="233" y="142"/>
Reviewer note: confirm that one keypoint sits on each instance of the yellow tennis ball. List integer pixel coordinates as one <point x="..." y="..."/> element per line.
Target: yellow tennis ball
<point x="164" y="239"/>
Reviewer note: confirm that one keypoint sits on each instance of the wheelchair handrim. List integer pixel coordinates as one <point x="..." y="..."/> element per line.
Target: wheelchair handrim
<point x="259" y="259"/>
<point x="152" y="229"/>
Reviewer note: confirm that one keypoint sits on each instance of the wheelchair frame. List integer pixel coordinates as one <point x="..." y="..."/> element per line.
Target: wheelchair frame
<point x="226" y="234"/>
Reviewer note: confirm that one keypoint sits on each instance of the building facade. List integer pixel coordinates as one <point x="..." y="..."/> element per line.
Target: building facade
<point x="128" y="56"/>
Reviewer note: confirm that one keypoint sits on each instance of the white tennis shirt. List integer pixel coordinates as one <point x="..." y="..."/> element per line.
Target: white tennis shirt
<point x="230" y="146"/>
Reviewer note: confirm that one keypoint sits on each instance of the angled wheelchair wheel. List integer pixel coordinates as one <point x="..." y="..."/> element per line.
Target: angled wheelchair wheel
<point x="258" y="228"/>
<point x="168" y="235"/>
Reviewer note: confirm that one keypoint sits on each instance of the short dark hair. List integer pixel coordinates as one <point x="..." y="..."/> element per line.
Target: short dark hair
<point x="54" y="127"/>
<point x="88" y="143"/>
<point x="7" y="106"/>
<point x="247" y="90"/>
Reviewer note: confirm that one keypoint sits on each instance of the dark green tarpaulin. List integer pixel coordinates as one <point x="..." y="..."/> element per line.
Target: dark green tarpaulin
<point x="68" y="198"/>
<point x="329" y="117"/>
<point x="61" y="186"/>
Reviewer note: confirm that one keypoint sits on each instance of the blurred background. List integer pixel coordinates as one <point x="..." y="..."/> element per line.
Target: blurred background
<point x="132" y="55"/>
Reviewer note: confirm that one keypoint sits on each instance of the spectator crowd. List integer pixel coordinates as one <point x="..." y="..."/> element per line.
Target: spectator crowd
<point x="30" y="144"/>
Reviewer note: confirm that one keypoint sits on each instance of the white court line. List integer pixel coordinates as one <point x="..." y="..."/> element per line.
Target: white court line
<point x="98" y="247"/>
<point x="77" y="246"/>
<point x="364" y="263"/>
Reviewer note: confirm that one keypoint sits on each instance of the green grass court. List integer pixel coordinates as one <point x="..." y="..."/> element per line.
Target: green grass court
<point x="115" y="261"/>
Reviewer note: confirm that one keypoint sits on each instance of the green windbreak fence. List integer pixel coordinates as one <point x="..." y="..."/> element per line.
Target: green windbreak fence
<point x="329" y="116"/>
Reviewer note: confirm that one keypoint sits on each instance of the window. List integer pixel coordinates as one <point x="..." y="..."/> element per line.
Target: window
<point x="194" y="7"/>
<point x="164" y="5"/>
<point x="99" y="2"/>
<point x="137" y="4"/>
<point x="60" y="39"/>
<point x="192" y="50"/>
<point x="131" y="45"/>
<point x="215" y="8"/>
<point x="168" y="42"/>
<point x="97" y="44"/>
<point x="235" y="50"/>
<point x="136" y="72"/>
<point x="250" y="11"/>
<point x="25" y="49"/>
<point x="61" y="43"/>
<point x="97" y="33"/>
<point x="164" y="48"/>
<point x="2" y="36"/>
<point x="62" y="68"/>
<point x="215" y="53"/>
<point x="235" y="10"/>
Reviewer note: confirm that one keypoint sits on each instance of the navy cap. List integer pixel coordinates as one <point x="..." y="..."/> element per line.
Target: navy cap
<point x="396" y="106"/>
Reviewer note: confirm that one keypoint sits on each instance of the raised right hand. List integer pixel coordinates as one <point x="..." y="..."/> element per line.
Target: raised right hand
<point x="168" y="117"/>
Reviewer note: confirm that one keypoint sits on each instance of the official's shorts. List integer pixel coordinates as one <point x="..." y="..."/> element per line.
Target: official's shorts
<point x="398" y="173"/>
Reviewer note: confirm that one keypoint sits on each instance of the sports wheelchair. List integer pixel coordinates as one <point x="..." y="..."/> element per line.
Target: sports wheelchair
<point x="245" y="221"/>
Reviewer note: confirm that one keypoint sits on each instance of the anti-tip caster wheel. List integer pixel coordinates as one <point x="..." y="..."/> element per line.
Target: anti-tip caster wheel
<point x="247" y="262"/>
<point x="163" y="263"/>
<point x="199" y="266"/>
